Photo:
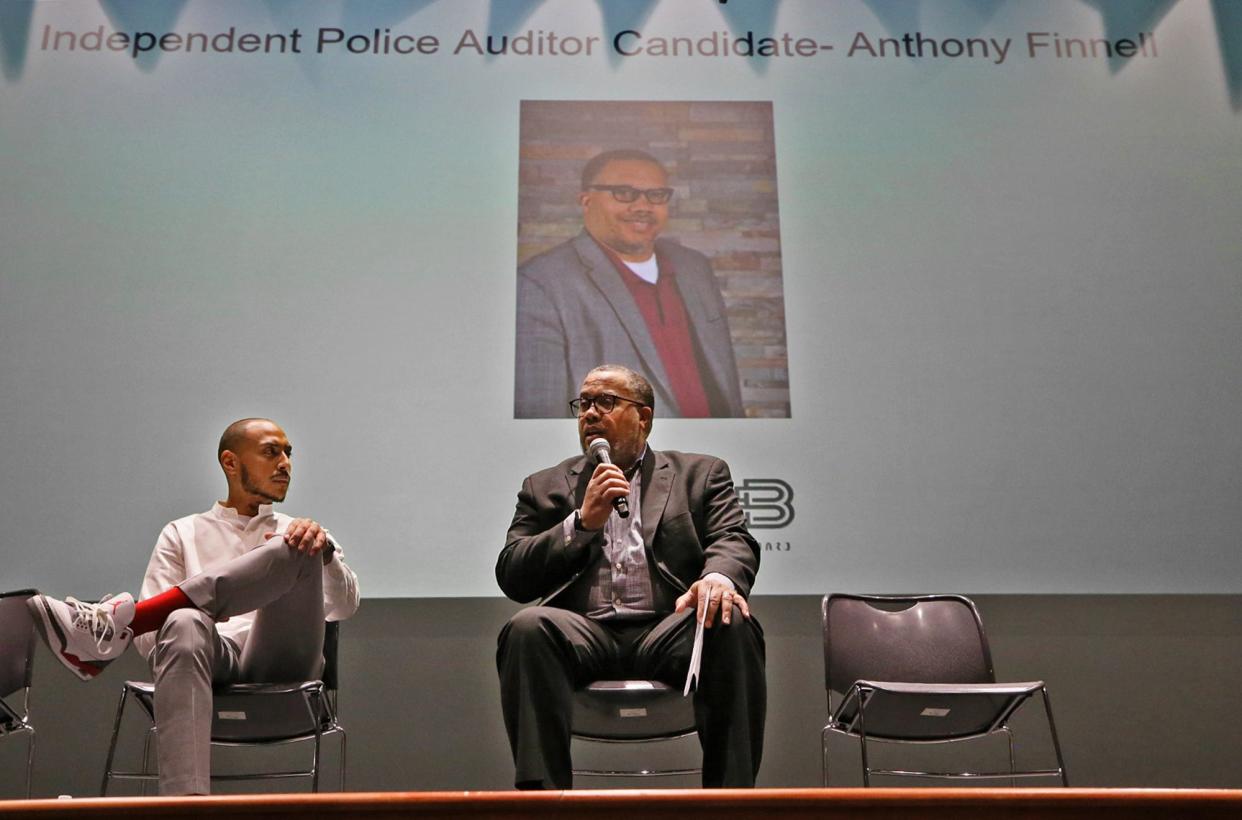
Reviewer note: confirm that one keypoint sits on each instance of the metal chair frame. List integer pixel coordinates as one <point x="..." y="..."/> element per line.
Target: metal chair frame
<point x="17" y="670"/>
<point x="318" y="696"/>
<point x="850" y="715"/>
<point x="633" y="692"/>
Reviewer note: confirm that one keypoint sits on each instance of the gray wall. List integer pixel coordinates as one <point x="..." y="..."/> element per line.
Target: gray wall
<point x="1146" y="691"/>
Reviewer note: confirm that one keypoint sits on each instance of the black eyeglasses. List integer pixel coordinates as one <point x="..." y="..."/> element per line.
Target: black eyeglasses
<point x="604" y="403"/>
<point x="628" y="193"/>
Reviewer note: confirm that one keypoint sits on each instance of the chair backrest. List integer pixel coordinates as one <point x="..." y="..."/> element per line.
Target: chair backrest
<point x="633" y="711"/>
<point x="282" y="712"/>
<point x="257" y="713"/>
<point x="17" y="641"/>
<point x="281" y="715"/>
<point x="907" y="638"/>
<point x="620" y="710"/>
<point x="331" y="642"/>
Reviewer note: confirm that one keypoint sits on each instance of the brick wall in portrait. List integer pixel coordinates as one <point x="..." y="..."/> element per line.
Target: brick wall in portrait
<point x="722" y="162"/>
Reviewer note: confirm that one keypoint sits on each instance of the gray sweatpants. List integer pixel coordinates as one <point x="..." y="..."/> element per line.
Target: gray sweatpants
<point x="284" y="588"/>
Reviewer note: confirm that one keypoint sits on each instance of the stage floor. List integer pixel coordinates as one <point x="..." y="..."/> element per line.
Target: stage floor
<point x="770" y="804"/>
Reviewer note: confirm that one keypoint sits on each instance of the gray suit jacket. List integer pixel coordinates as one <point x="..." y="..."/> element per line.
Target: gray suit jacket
<point x="574" y="313"/>
<point x="693" y="524"/>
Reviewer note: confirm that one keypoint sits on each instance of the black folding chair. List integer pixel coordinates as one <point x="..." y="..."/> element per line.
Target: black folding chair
<point x="917" y="669"/>
<point x="251" y="714"/>
<point x="17" y="644"/>
<point x="632" y="711"/>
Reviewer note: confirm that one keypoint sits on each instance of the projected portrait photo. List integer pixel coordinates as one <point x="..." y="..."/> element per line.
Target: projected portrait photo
<point x="648" y="236"/>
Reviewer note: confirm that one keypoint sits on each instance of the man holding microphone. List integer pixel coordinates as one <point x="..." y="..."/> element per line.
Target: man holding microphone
<point x="619" y="596"/>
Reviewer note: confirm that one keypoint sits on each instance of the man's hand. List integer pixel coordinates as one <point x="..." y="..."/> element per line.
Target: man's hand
<point x="304" y="535"/>
<point x="607" y="483"/>
<point x="710" y="596"/>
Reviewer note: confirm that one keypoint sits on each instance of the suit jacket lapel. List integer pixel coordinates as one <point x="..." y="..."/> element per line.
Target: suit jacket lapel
<point x="578" y="477"/>
<point x="600" y="270"/>
<point x="658" y="477"/>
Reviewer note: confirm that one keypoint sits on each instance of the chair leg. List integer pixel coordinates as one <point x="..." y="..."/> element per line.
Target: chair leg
<point x="1056" y="743"/>
<point x="116" y="729"/>
<point x="1013" y="781"/>
<point x="315" y="764"/>
<point x="823" y="755"/>
<point x="343" y="749"/>
<point x="866" y="769"/>
<point x="315" y="706"/>
<point x="30" y="750"/>
<point x="862" y="739"/>
<point x="146" y="756"/>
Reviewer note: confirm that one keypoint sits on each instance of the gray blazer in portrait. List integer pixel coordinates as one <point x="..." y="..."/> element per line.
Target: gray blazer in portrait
<point x="574" y="313"/>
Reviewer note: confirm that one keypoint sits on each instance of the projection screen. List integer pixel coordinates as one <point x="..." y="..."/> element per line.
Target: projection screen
<point x="980" y="263"/>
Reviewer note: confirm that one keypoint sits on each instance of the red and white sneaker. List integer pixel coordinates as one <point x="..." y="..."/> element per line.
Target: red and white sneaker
<point x="85" y="637"/>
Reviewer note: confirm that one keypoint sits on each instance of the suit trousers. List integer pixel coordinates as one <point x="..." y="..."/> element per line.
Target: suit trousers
<point x="544" y="653"/>
<point x="284" y="588"/>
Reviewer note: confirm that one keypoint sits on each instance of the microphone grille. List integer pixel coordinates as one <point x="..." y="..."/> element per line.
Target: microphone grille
<point x="599" y="448"/>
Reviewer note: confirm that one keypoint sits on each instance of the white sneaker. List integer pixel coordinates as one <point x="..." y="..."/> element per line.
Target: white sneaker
<point x="85" y="637"/>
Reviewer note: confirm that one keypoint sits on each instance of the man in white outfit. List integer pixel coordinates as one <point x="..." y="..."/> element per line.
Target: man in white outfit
<point x="233" y="595"/>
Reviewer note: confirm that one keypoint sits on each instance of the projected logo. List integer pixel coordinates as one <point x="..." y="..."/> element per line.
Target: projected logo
<point x="767" y="502"/>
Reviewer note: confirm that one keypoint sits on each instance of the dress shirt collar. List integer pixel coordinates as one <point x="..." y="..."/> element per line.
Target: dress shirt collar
<point x="229" y="514"/>
<point x="588" y="465"/>
<point x="638" y="464"/>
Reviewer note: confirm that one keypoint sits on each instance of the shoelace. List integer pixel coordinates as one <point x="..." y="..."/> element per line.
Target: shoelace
<point x="96" y="619"/>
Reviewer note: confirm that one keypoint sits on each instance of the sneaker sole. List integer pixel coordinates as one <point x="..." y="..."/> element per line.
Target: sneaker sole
<point x="47" y="625"/>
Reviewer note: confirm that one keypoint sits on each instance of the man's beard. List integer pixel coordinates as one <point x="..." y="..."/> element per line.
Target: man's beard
<point x="249" y="486"/>
<point x="628" y="248"/>
<point x="626" y="452"/>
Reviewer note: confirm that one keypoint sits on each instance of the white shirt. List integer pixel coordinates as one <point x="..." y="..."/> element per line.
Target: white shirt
<point x="197" y="542"/>
<point x="647" y="270"/>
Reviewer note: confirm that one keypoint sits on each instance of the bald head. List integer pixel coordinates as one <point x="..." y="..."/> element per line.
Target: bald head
<point x="239" y="431"/>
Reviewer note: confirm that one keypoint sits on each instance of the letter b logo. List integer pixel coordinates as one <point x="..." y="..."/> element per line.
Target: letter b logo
<point x="768" y="503"/>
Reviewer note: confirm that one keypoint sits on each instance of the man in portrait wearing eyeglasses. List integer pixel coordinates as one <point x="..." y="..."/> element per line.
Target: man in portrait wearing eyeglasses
<point x="617" y="292"/>
<point x="620" y="596"/>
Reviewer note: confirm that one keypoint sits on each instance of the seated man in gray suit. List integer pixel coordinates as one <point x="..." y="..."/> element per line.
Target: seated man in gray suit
<point x="618" y="293"/>
<point x="620" y="595"/>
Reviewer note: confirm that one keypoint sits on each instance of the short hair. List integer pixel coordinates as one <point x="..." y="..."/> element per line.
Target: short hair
<point x="595" y="165"/>
<point x="235" y="432"/>
<point x="635" y="382"/>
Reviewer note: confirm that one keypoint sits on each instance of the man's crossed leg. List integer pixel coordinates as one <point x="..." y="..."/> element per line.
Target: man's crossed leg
<point x="282" y="585"/>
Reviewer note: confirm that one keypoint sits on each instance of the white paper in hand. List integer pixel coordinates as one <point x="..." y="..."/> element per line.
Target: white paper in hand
<point x="696" y="658"/>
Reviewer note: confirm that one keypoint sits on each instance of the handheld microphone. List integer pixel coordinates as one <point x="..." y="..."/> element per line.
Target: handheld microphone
<point x="602" y="452"/>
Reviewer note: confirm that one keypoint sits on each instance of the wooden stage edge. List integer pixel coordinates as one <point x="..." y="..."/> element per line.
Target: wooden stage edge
<point x="770" y="804"/>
